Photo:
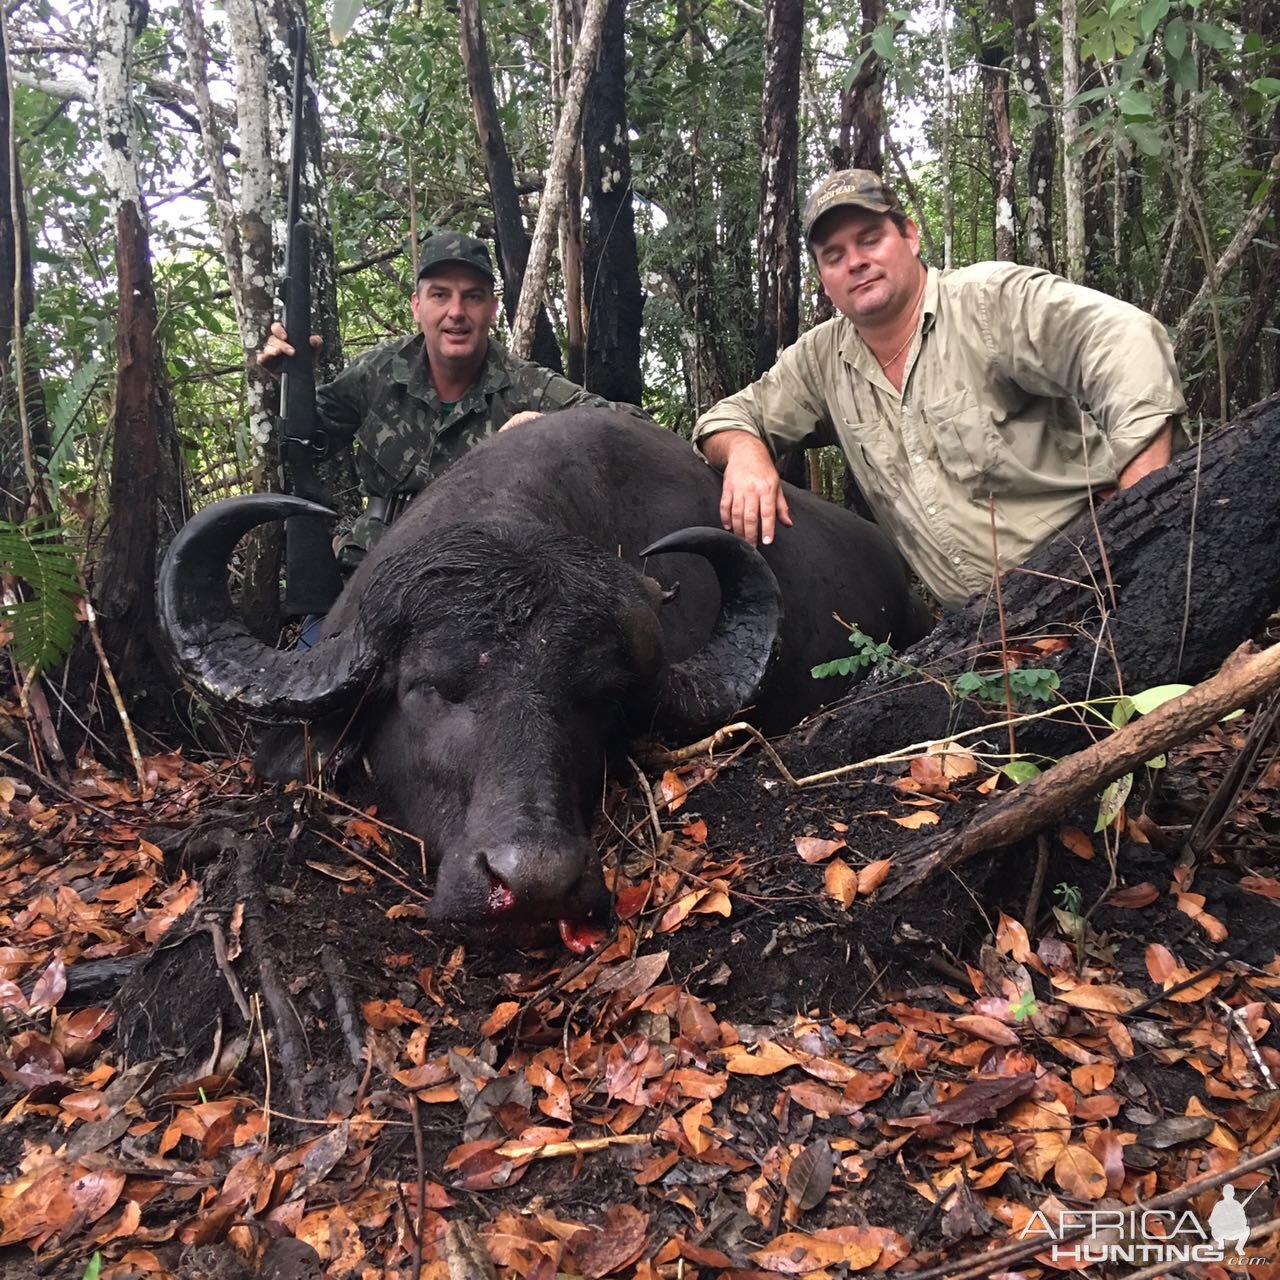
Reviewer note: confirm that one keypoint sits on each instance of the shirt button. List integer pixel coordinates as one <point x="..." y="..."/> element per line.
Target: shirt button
<point x="956" y="560"/>
<point x="932" y="510"/>
<point x="917" y="458"/>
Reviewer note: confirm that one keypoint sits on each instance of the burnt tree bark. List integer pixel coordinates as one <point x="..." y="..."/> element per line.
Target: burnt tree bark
<point x="778" y="238"/>
<point x="611" y="289"/>
<point x="510" y="233"/>
<point x="1121" y="613"/>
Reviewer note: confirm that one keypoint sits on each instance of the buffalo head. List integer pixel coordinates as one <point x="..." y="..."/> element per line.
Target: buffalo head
<point x="484" y="671"/>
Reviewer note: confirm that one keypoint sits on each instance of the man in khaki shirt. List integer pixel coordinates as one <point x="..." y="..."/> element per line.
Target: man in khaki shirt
<point x="955" y="396"/>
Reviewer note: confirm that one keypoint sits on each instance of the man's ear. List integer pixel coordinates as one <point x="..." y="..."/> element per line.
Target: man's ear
<point x="912" y="234"/>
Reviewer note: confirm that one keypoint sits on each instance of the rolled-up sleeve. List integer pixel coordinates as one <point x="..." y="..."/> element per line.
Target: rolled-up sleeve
<point x="786" y="406"/>
<point x="1055" y="338"/>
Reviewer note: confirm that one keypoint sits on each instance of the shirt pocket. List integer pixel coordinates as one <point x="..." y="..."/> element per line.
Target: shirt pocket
<point x="389" y="453"/>
<point x="873" y="455"/>
<point x="961" y="435"/>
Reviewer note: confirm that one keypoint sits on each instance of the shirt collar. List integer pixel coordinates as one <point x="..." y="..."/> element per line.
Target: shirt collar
<point x="409" y="368"/>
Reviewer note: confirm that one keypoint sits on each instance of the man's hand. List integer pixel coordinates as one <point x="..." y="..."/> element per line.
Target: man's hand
<point x="525" y="415"/>
<point x="277" y="346"/>
<point x="751" y="502"/>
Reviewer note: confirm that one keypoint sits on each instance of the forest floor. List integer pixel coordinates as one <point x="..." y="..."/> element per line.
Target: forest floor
<point x="762" y="1071"/>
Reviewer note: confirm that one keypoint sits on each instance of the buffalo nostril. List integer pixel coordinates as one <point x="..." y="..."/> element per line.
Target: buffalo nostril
<point x="500" y="897"/>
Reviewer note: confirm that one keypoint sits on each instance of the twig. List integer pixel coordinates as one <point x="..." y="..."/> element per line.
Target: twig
<point x="1032" y="912"/>
<point x="10" y="758"/>
<point x="420" y="1228"/>
<point x="1236" y="1023"/>
<point x="653" y="808"/>
<point x="214" y="930"/>
<point x="266" y="1070"/>
<point x="343" y="1002"/>
<point x="330" y="798"/>
<point x="582" y="1146"/>
<point x="1004" y="633"/>
<point x="1191" y="548"/>
<point x="91" y="618"/>
<point x="373" y="866"/>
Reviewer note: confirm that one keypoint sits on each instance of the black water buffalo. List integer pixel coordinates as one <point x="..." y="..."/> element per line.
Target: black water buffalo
<point x="516" y="624"/>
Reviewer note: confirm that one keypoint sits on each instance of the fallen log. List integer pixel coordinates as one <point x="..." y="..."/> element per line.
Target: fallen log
<point x="1158" y="584"/>
<point x="1045" y="799"/>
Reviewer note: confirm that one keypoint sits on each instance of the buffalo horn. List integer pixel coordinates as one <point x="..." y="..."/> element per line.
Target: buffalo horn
<point x="707" y="688"/>
<point x="212" y="646"/>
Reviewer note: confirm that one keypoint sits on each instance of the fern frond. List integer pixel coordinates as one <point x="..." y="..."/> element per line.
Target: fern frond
<point x="41" y="630"/>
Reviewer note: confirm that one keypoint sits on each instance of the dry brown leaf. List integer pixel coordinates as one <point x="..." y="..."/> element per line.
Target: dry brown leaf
<point x="914" y="821"/>
<point x="768" y="1060"/>
<point x="694" y="1121"/>
<point x="795" y="1254"/>
<point x="812" y="849"/>
<point x="989" y="1029"/>
<point x="1161" y="965"/>
<point x="841" y="882"/>
<point x="809" y="1178"/>
<point x="1075" y="841"/>
<point x="499" y="1018"/>
<point x="873" y="875"/>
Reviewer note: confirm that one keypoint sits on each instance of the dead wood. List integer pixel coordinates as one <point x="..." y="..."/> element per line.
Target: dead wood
<point x="1046" y="798"/>
<point x="1179" y="570"/>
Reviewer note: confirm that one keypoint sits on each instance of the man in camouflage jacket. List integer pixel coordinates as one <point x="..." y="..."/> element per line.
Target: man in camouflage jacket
<point x="414" y="405"/>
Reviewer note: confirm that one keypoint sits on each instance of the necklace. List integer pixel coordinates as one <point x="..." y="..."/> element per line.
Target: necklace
<point x="884" y="364"/>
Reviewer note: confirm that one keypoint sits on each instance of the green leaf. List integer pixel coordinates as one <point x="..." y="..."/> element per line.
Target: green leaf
<point x="1215" y="37"/>
<point x="1149" y="141"/>
<point x="1149" y="699"/>
<point x="1158" y="762"/>
<point x="1134" y="102"/>
<point x="1184" y="72"/>
<point x="1112" y="803"/>
<point x="1267" y="85"/>
<point x="1092" y="95"/>
<point x="1175" y="38"/>
<point x="345" y="13"/>
<point x="1020" y="770"/>
<point x="882" y="43"/>
<point x="1153" y="13"/>
<point x="94" y="1269"/>
<point x="1123" y="712"/>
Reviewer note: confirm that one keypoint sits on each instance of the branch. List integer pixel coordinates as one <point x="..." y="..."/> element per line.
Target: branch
<point x="553" y="197"/>
<point x="1242" y="680"/>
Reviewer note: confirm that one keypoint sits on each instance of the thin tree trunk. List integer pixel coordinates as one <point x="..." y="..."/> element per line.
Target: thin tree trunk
<point x="563" y="36"/>
<point x="948" y="182"/>
<point x="1072" y="165"/>
<point x="778" y="238"/>
<point x="610" y="262"/>
<point x="24" y="440"/>
<point x="862" y="104"/>
<point x="553" y="195"/>
<point x="513" y="240"/>
<point x="1040" y="160"/>
<point x="125" y="578"/>
<point x="1004" y="154"/>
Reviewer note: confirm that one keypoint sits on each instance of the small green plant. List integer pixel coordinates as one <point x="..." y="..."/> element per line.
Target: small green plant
<point x="1069" y="897"/>
<point x="1024" y="1006"/>
<point x="1029" y="684"/>
<point x="867" y="655"/>
<point x="94" y="1269"/>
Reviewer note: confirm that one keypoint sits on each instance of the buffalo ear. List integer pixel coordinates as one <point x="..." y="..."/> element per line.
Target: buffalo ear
<point x="283" y="749"/>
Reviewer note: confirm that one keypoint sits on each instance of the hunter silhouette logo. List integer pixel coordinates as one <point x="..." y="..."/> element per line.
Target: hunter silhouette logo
<point x="1145" y="1236"/>
<point x="1228" y="1223"/>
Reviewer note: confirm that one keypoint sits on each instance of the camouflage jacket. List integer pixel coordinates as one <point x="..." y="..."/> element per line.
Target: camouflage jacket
<point x="386" y="403"/>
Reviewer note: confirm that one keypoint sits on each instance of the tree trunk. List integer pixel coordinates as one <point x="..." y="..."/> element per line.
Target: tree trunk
<point x="563" y="35"/>
<point x="861" y="143"/>
<point x="1004" y="154"/>
<point x="1072" y="165"/>
<point x="610" y="263"/>
<point x="553" y="194"/>
<point x="1040" y="160"/>
<point x="1140" y="616"/>
<point x="778" y="238"/>
<point x="513" y="240"/>
<point x="125" y="578"/>
<point x="948" y="180"/>
<point x="24" y="438"/>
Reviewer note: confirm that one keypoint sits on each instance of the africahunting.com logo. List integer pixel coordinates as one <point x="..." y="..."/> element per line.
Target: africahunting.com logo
<point x="1148" y="1236"/>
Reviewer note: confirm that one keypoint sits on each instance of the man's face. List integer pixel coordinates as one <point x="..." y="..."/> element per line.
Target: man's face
<point x="870" y="270"/>
<point x="454" y="307"/>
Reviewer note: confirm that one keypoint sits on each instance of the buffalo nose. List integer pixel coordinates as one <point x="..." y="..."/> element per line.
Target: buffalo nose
<point x="532" y="876"/>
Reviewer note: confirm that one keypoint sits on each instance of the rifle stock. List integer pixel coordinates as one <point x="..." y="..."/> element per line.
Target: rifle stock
<point x="312" y="580"/>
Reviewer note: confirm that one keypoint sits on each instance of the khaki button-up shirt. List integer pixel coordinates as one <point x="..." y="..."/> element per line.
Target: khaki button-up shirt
<point x="989" y="418"/>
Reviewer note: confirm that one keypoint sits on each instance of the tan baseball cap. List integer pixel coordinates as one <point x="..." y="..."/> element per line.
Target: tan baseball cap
<point x="858" y="188"/>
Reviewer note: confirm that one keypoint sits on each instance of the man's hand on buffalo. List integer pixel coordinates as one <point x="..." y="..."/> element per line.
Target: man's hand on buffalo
<point x="752" y="503"/>
<point x="525" y="415"/>
<point x="277" y="346"/>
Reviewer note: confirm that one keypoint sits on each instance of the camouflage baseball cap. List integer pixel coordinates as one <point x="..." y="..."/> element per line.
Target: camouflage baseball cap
<point x="453" y="248"/>
<point x="858" y="188"/>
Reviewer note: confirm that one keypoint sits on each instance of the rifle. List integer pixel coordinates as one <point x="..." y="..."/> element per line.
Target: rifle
<point x="312" y="580"/>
